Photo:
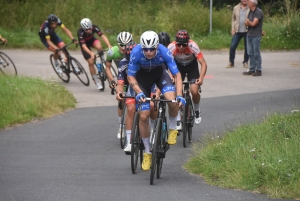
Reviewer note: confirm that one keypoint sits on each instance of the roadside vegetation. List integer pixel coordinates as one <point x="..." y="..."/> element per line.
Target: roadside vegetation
<point x="136" y="16"/>
<point x="23" y="99"/>
<point x="259" y="157"/>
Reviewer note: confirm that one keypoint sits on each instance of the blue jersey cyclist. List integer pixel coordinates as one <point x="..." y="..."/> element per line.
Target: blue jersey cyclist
<point x="145" y="69"/>
<point x="131" y="106"/>
<point x="50" y="39"/>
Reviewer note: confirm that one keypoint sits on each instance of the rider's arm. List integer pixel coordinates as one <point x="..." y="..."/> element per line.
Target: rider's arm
<point x="203" y="70"/>
<point x="4" y="40"/>
<point x="108" y="63"/>
<point x="105" y="39"/>
<point x="67" y="31"/>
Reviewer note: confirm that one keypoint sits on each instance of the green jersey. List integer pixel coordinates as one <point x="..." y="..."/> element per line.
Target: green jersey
<point x="114" y="54"/>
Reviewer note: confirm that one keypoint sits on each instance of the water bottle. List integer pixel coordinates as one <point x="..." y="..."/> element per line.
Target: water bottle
<point x="99" y="66"/>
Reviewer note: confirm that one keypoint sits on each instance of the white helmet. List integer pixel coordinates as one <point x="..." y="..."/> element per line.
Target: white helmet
<point x="149" y="39"/>
<point x="124" y="37"/>
<point x="86" y="23"/>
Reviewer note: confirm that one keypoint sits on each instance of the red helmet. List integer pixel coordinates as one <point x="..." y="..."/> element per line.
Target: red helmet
<point x="182" y="36"/>
<point x="129" y="46"/>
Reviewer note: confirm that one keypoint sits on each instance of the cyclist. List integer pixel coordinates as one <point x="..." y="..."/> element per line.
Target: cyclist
<point x="117" y="53"/>
<point x="131" y="107"/>
<point x="51" y="40"/>
<point x="187" y="55"/>
<point x="144" y="70"/>
<point x="4" y="40"/>
<point x="86" y="41"/>
<point x="164" y="38"/>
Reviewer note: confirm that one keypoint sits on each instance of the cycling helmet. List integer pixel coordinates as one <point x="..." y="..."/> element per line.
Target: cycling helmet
<point x="149" y="39"/>
<point x="124" y="37"/>
<point x="129" y="46"/>
<point x="182" y="36"/>
<point x="86" y="23"/>
<point x="164" y="38"/>
<point x="52" y="18"/>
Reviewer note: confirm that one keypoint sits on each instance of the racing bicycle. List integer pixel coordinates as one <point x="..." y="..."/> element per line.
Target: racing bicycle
<point x="69" y="65"/>
<point x="101" y="70"/>
<point x="7" y="66"/>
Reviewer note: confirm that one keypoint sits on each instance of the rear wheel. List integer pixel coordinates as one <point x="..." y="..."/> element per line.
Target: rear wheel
<point x="82" y="76"/>
<point x="123" y="138"/>
<point x="65" y="75"/>
<point x="155" y="149"/>
<point x="135" y="142"/>
<point x="7" y="66"/>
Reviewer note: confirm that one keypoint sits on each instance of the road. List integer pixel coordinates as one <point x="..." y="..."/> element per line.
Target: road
<point x="76" y="155"/>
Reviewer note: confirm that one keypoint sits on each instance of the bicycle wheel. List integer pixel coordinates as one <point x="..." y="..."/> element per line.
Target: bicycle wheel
<point x="155" y="148"/>
<point x="7" y="66"/>
<point x="82" y="76"/>
<point x="123" y="138"/>
<point x="163" y="147"/>
<point x="190" y="122"/>
<point x="101" y="77"/>
<point x="65" y="75"/>
<point x="135" y="142"/>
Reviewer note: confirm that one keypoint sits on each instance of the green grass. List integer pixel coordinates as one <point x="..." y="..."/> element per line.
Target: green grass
<point x="23" y="99"/>
<point x="261" y="157"/>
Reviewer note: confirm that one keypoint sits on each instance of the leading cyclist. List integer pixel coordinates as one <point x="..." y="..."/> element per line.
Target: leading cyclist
<point x="144" y="70"/>
<point x="187" y="55"/>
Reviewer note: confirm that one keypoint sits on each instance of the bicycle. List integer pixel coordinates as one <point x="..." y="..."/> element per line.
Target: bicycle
<point x="71" y="65"/>
<point x="101" y="68"/>
<point x="159" y="141"/>
<point x="7" y="66"/>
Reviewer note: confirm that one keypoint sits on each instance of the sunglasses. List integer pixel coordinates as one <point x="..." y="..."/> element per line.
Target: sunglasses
<point x="181" y="44"/>
<point x="122" y="45"/>
<point x="88" y="29"/>
<point x="149" y="49"/>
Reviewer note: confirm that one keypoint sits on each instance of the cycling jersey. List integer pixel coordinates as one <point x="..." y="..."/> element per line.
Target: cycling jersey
<point x="114" y="54"/>
<point x="188" y="55"/>
<point x="138" y="61"/>
<point x="46" y="30"/>
<point x="84" y="37"/>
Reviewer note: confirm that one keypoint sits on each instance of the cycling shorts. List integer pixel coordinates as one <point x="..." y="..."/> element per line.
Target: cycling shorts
<point x="55" y="39"/>
<point x="192" y="70"/>
<point x="89" y="44"/>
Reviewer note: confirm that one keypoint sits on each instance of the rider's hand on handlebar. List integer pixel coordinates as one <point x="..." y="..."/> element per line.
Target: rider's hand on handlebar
<point x="57" y="51"/>
<point x="119" y="96"/>
<point x="75" y="41"/>
<point x="101" y="53"/>
<point x="113" y="84"/>
<point x="199" y="82"/>
<point x="92" y="55"/>
<point x="180" y="100"/>
<point x="140" y="97"/>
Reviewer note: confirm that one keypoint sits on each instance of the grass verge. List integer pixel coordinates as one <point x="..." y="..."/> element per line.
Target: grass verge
<point x="23" y="99"/>
<point x="260" y="157"/>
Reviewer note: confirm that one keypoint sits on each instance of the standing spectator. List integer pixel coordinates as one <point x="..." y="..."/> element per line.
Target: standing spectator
<point x="238" y="31"/>
<point x="254" y="22"/>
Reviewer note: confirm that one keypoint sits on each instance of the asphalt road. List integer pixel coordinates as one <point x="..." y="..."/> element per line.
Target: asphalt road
<point x="76" y="155"/>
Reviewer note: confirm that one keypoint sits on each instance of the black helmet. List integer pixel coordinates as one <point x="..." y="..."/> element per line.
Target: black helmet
<point x="52" y="18"/>
<point x="164" y="38"/>
<point x="129" y="46"/>
<point x="182" y="36"/>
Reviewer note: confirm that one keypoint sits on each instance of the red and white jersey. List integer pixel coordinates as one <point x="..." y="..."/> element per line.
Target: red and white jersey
<point x="187" y="56"/>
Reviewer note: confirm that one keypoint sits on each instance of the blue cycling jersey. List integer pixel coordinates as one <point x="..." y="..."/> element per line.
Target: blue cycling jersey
<point x="139" y="61"/>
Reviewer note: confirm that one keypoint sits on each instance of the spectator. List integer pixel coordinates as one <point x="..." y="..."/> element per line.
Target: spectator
<point x="238" y="31"/>
<point x="254" y="22"/>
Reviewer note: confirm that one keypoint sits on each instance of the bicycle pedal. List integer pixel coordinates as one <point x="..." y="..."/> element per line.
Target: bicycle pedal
<point x="127" y="153"/>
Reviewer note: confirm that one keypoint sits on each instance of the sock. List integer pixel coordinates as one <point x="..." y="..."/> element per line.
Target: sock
<point x="95" y="78"/>
<point x="128" y="134"/>
<point x="152" y="121"/>
<point x="197" y="106"/>
<point x="146" y="142"/>
<point x="55" y="61"/>
<point x="179" y="115"/>
<point x="173" y="123"/>
<point x="120" y="119"/>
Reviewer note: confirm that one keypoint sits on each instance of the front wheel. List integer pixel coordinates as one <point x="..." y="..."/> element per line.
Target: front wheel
<point x="135" y="142"/>
<point x="155" y="148"/>
<point x="65" y="75"/>
<point x="123" y="138"/>
<point x="79" y="71"/>
<point x="7" y="66"/>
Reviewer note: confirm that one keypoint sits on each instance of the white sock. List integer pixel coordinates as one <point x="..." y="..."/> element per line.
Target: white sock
<point x="179" y="115"/>
<point x="173" y="123"/>
<point x="197" y="106"/>
<point x="95" y="78"/>
<point x="146" y="142"/>
<point x="152" y="121"/>
<point x="55" y="61"/>
<point x="128" y="134"/>
<point x="120" y="119"/>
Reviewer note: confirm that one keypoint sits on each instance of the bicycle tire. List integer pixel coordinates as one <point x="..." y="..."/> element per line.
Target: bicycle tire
<point x="113" y="72"/>
<point x="65" y="75"/>
<point x="135" y="142"/>
<point x="162" y="146"/>
<point x="190" y="121"/>
<point x="184" y="124"/>
<point x="5" y="63"/>
<point x="84" y="79"/>
<point x="154" y="149"/>
<point x="123" y="138"/>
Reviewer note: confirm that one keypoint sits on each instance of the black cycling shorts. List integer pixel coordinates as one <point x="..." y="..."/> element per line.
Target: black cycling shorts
<point x="89" y="44"/>
<point x="192" y="70"/>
